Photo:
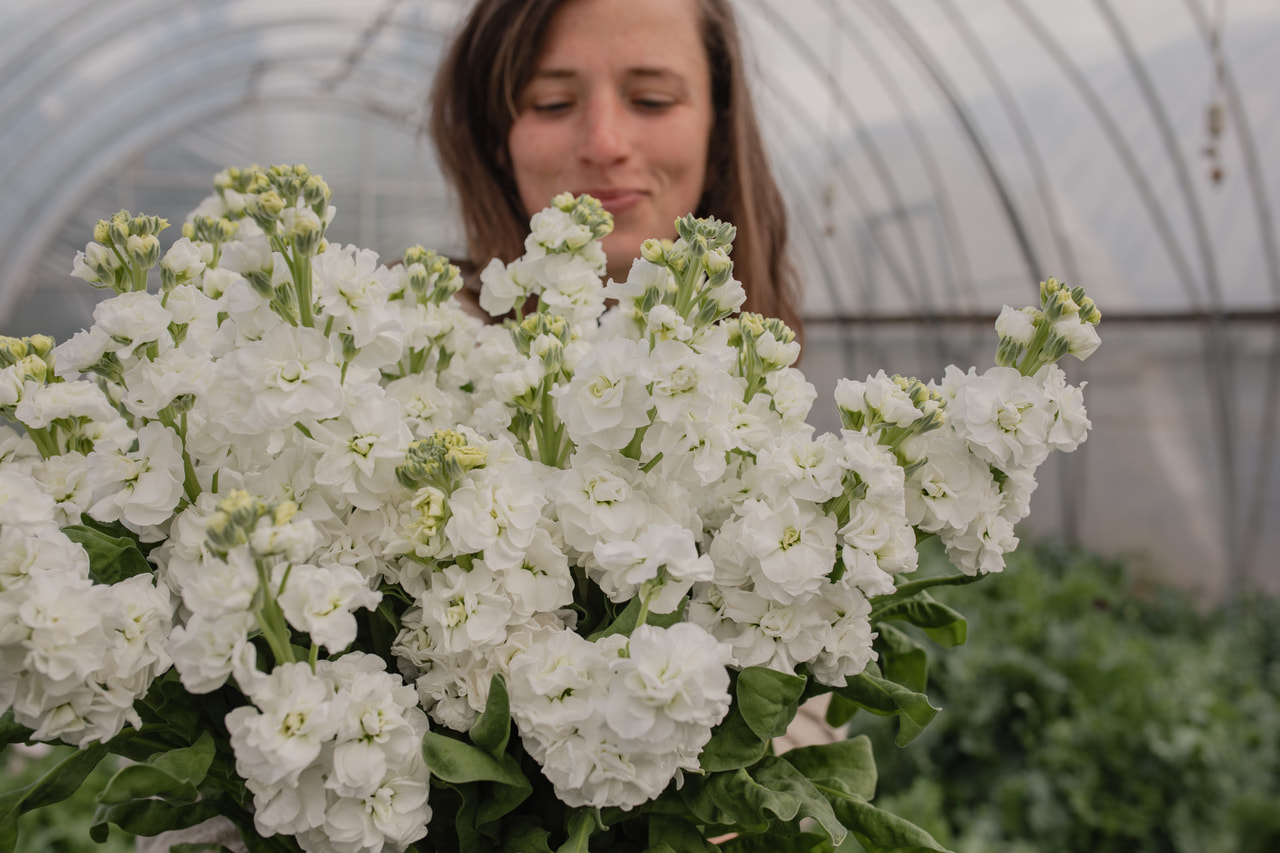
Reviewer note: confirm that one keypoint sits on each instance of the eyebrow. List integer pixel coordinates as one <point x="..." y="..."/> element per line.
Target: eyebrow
<point x="641" y="72"/>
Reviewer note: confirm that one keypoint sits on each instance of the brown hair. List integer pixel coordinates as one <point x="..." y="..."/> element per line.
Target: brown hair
<point x="473" y="106"/>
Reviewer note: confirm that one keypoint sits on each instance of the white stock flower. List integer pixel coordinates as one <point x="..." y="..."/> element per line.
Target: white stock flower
<point x="361" y="449"/>
<point x="152" y="384"/>
<point x="141" y="488"/>
<point x="1081" y="337"/>
<point x="799" y="465"/>
<point x="1066" y="401"/>
<point x="671" y="680"/>
<point x="207" y="650"/>
<point x="625" y="565"/>
<point x="943" y="492"/>
<point x="600" y="496"/>
<point x="320" y="601"/>
<point x="606" y="401"/>
<point x="186" y="259"/>
<point x="1003" y="415"/>
<point x="284" y="730"/>
<point x="286" y="377"/>
<point x="790" y="547"/>
<point x="1018" y="325"/>
<point x="43" y="404"/>
<point x="132" y="320"/>
<point x="81" y="351"/>
<point x="792" y="394"/>
<point x="570" y="287"/>
<point x="505" y="285"/>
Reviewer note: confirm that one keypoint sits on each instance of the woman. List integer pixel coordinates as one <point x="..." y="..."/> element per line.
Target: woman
<point x="643" y="105"/>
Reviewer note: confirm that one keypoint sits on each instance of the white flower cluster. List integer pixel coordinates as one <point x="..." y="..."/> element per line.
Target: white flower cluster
<point x="320" y="442"/>
<point x="334" y="757"/>
<point x="978" y="470"/>
<point x="612" y="722"/>
<point x="74" y="655"/>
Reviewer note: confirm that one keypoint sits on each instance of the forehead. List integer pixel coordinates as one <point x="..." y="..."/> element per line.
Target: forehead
<point x="621" y="35"/>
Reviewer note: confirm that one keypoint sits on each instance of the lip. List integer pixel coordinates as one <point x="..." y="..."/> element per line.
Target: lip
<point x="616" y="200"/>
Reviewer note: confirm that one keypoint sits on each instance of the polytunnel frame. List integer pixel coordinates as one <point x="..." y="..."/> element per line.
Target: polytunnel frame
<point x="1219" y="368"/>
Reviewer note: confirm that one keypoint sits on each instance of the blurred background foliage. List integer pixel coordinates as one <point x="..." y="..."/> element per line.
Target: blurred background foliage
<point x="1090" y="711"/>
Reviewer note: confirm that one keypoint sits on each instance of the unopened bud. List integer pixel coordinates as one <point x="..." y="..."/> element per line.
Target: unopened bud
<point x="653" y="251"/>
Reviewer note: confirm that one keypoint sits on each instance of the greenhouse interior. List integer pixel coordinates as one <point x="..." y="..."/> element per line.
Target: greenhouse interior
<point x="939" y="160"/>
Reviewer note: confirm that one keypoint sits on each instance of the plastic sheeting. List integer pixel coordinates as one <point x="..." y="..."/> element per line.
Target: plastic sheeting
<point x="939" y="159"/>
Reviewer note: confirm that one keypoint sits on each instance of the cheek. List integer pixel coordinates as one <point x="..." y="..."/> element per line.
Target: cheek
<point x="683" y="156"/>
<point x="535" y="164"/>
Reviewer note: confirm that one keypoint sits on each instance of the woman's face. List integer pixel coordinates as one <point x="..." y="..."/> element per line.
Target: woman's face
<point x="619" y="107"/>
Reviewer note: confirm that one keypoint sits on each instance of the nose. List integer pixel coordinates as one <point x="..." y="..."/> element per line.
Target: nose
<point x="605" y="138"/>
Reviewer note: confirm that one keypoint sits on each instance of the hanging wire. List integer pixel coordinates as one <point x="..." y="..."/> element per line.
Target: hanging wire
<point x="1213" y="31"/>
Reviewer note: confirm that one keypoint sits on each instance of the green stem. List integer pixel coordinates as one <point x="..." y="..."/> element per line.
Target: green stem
<point x="44" y="442"/>
<point x="271" y="619"/>
<point x="303" y="281"/>
<point x="548" y="439"/>
<point x="190" y="483"/>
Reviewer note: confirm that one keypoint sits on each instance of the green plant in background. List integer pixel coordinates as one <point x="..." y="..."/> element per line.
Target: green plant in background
<point x="1087" y="715"/>
<point x="62" y="827"/>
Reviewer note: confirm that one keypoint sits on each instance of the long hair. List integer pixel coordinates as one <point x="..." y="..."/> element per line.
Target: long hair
<point x="473" y="107"/>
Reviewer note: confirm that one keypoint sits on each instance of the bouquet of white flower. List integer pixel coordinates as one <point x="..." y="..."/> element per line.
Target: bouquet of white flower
<point x="304" y="539"/>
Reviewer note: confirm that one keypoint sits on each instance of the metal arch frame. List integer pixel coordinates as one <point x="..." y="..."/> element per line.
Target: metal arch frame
<point x="1113" y="134"/>
<point x="915" y="45"/>
<point x="883" y="174"/>
<point x="1271" y="257"/>
<point x="1219" y="369"/>
<point x="207" y="80"/>
<point x="924" y="151"/>
<point x="1026" y="140"/>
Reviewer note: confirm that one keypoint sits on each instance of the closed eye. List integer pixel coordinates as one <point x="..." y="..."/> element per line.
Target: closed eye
<point x="551" y="107"/>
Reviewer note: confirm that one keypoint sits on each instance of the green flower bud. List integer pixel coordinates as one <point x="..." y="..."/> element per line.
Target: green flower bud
<point x="41" y="345"/>
<point x="653" y="251"/>
<point x="143" y="250"/>
<point x="260" y="280"/>
<point x="307" y="232"/>
<point x="102" y="232"/>
<point x="35" y="368"/>
<point x="118" y="229"/>
<point x="349" y="348"/>
<point x="12" y="350"/>
<point x="315" y="193"/>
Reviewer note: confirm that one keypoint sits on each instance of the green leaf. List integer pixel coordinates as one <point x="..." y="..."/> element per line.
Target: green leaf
<point x="500" y="800"/>
<point x="169" y="702"/>
<point x="581" y="826"/>
<point x="671" y="834"/>
<point x="456" y="762"/>
<point x="150" y="817"/>
<point x="526" y="835"/>
<point x="944" y="624"/>
<point x="847" y="767"/>
<point x="880" y="831"/>
<point x="745" y="799"/>
<point x="768" y="699"/>
<point x="171" y="776"/>
<point x="884" y="697"/>
<point x="908" y="590"/>
<point x="111" y="558"/>
<point x="840" y="711"/>
<point x="625" y="623"/>
<point x="492" y="729"/>
<point x="11" y="731"/>
<point x="901" y="657"/>
<point x="733" y="744"/>
<point x="805" y="842"/>
<point x="54" y="787"/>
